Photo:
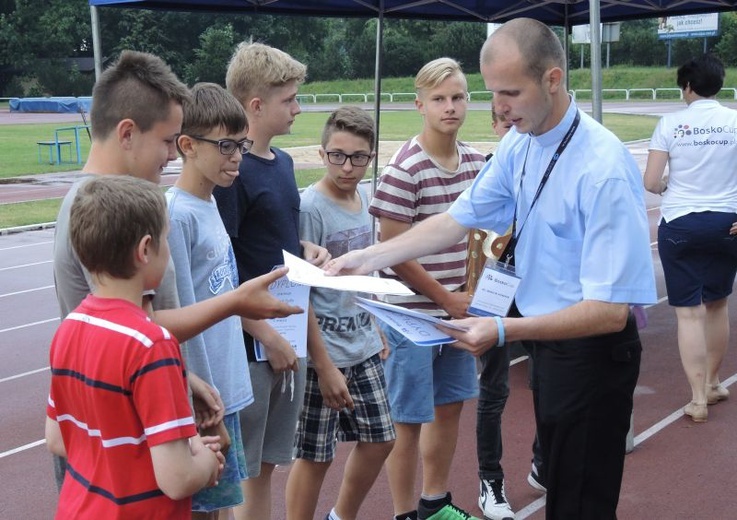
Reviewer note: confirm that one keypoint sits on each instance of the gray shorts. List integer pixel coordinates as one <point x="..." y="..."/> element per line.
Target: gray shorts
<point x="270" y="422"/>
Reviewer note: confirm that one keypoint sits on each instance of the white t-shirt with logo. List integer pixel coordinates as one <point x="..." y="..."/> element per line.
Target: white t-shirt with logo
<point x="701" y="142"/>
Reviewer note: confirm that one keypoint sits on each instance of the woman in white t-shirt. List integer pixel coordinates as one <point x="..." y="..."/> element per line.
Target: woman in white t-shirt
<point x="699" y="207"/>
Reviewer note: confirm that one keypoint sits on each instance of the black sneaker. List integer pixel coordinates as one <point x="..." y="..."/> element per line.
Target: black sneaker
<point x="493" y="500"/>
<point x="535" y="480"/>
<point x="409" y="515"/>
<point x="444" y="510"/>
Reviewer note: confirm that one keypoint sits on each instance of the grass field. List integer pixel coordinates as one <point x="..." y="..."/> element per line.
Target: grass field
<point x="19" y="154"/>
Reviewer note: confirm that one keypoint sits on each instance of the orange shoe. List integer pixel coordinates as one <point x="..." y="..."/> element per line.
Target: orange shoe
<point x="698" y="412"/>
<point x="716" y="393"/>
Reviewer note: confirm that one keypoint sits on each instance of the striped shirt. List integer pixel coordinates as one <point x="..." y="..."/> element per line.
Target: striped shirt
<point x="118" y="388"/>
<point x="412" y="188"/>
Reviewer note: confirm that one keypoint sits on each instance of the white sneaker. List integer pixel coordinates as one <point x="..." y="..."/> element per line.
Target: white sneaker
<point x="535" y="481"/>
<point x="493" y="501"/>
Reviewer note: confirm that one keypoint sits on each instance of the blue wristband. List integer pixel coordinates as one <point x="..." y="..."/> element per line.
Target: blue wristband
<point x="499" y="331"/>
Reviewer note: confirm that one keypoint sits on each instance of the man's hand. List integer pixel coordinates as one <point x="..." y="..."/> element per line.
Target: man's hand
<point x="352" y="262"/>
<point x="314" y="254"/>
<point x="733" y="229"/>
<point x="256" y="302"/>
<point x="480" y="336"/>
<point x="334" y="389"/>
<point x="208" y="407"/>
<point x="456" y="304"/>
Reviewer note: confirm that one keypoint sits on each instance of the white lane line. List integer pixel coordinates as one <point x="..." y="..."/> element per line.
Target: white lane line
<point x="530" y="508"/>
<point x="22" y="448"/>
<point x="538" y="504"/>
<point x="26" y="325"/>
<point x="26" y="245"/>
<point x="518" y="360"/>
<point x="660" y="300"/>
<point x="24" y="374"/>
<point x="16" y="293"/>
<point x="25" y="265"/>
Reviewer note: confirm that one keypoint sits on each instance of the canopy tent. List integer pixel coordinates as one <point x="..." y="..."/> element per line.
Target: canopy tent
<point x="552" y="12"/>
<point x="565" y="13"/>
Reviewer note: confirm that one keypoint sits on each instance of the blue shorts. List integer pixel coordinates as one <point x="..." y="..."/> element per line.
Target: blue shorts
<point x="228" y="492"/>
<point x="420" y="378"/>
<point x="699" y="257"/>
<point x="320" y="427"/>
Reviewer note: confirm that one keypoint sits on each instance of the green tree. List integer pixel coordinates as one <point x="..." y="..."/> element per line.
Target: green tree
<point x="726" y="47"/>
<point x="60" y="30"/>
<point x="461" y="41"/>
<point x="212" y="56"/>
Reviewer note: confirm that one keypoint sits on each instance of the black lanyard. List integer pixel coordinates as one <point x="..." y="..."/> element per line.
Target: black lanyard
<point x="508" y="254"/>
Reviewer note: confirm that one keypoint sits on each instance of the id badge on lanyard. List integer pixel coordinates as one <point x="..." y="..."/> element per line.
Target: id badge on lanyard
<point x="498" y="283"/>
<point x="495" y="291"/>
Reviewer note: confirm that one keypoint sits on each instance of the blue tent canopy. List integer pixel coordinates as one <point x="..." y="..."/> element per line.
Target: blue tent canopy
<point x="552" y="12"/>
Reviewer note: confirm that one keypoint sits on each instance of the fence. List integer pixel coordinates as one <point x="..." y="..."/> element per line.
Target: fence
<point x="626" y="94"/>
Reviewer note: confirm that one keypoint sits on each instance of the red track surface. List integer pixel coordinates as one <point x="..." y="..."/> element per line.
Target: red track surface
<point x="677" y="470"/>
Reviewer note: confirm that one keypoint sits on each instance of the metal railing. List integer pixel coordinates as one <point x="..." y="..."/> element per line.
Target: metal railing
<point x="626" y="94"/>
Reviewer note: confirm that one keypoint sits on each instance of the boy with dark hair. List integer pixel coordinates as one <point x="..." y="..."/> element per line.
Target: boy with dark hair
<point x="334" y="214"/>
<point x="136" y="117"/>
<point x="211" y="143"/>
<point x="118" y="400"/>
<point x="261" y="214"/>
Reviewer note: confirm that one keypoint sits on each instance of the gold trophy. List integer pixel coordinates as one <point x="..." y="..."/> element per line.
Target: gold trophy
<point x="482" y="245"/>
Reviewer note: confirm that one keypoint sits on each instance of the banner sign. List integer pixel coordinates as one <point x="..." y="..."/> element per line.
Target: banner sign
<point x="689" y="26"/>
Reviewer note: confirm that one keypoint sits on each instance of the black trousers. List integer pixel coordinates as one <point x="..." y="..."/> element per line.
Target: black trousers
<point x="583" y="391"/>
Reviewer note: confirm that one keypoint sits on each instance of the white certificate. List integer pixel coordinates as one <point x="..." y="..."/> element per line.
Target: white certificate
<point x="495" y="290"/>
<point x="420" y="329"/>
<point x="292" y="328"/>
<point x="307" y="274"/>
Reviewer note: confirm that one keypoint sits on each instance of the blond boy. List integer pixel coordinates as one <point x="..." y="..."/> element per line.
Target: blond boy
<point x="423" y="178"/>
<point x="261" y="214"/>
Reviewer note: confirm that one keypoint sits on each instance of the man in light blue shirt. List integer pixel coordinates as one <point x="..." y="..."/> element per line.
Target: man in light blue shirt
<point x="575" y="198"/>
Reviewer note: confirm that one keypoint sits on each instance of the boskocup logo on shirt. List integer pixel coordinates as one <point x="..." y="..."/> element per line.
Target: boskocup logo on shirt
<point x="711" y="131"/>
<point x="681" y="131"/>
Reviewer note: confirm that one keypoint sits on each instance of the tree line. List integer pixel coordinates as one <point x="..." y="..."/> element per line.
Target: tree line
<point x="39" y="39"/>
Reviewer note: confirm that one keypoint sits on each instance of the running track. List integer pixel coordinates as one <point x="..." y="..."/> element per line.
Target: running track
<point x="677" y="470"/>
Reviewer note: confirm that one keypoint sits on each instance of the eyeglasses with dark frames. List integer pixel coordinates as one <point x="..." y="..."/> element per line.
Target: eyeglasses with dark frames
<point x="339" y="158"/>
<point x="227" y="146"/>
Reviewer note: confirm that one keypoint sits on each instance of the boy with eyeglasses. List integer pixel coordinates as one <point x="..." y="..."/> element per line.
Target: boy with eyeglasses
<point x="261" y="214"/>
<point x="428" y="386"/>
<point x="211" y="143"/>
<point x="334" y="214"/>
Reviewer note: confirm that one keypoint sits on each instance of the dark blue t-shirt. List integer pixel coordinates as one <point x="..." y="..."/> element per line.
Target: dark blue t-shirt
<point x="261" y="213"/>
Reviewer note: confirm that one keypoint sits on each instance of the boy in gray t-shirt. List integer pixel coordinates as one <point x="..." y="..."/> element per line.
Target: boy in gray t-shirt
<point x="334" y="214"/>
